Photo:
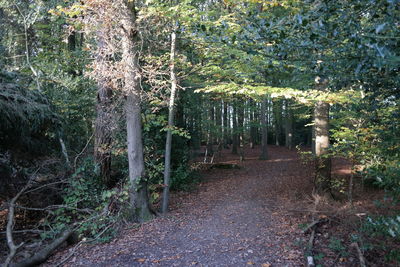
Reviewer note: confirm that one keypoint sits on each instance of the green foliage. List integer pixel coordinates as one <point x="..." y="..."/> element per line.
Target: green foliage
<point x="182" y="178"/>
<point x="88" y="206"/>
<point x="382" y="231"/>
<point x="27" y="119"/>
<point x="337" y="246"/>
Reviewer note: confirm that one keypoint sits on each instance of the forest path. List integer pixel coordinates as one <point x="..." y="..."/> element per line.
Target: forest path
<point x="231" y="219"/>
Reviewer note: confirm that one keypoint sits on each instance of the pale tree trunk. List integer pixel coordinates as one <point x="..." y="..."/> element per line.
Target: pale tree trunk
<point x="138" y="186"/>
<point x="264" y="130"/>
<point x="321" y="129"/>
<point x="167" y="164"/>
<point x="313" y="136"/>
<point x="234" y="130"/>
<point x="288" y="125"/>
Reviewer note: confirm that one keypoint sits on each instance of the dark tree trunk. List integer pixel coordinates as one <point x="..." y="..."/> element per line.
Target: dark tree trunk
<point x="264" y="130"/>
<point x="277" y="106"/>
<point x="226" y="126"/>
<point x="218" y="121"/>
<point x="103" y="132"/>
<point x="210" y="137"/>
<point x="234" y="130"/>
<point x="253" y="133"/>
<point x="103" y="128"/>
<point x="241" y="130"/>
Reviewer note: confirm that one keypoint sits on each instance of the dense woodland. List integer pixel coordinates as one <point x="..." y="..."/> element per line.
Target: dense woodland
<point x="106" y="106"/>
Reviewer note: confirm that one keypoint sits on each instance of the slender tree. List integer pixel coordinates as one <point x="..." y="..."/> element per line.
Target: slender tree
<point x="288" y="125"/>
<point x="264" y="129"/>
<point x="234" y="130"/>
<point x="167" y="164"/>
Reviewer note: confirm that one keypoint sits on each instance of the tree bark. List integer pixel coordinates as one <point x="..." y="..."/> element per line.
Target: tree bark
<point x="241" y="131"/>
<point x="264" y="130"/>
<point x="277" y="105"/>
<point x="210" y="137"/>
<point x="234" y="130"/>
<point x="218" y="121"/>
<point x="321" y="130"/>
<point x="167" y="164"/>
<point x="253" y="134"/>
<point x="289" y="126"/>
<point x="138" y="185"/>
<point x="103" y="124"/>
<point x="103" y="132"/>
<point x="226" y="126"/>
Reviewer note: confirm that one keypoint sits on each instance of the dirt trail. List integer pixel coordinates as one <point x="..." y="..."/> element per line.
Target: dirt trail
<point x="232" y="219"/>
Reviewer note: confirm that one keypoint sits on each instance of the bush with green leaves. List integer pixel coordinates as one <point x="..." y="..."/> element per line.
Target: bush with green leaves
<point x="88" y="207"/>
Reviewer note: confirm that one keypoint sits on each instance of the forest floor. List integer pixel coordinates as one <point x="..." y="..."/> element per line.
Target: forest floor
<point x="233" y="217"/>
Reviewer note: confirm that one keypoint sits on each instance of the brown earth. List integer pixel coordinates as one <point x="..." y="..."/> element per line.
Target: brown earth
<point x="234" y="217"/>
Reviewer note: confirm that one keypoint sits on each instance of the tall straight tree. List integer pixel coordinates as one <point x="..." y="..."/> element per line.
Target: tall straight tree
<point x="321" y="131"/>
<point x="253" y="129"/>
<point x="225" y="126"/>
<point x="241" y="125"/>
<point x="167" y="164"/>
<point x="130" y="54"/>
<point x="288" y="125"/>
<point x="277" y="106"/>
<point x="264" y="129"/>
<point x="104" y="121"/>
<point x="235" y="138"/>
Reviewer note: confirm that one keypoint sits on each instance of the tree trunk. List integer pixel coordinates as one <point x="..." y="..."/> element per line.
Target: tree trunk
<point x="138" y="186"/>
<point x="218" y="121"/>
<point x="234" y="130"/>
<point x="253" y="134"/>
<point x="167" y="167"/>
<point x="264" y="130"/>
<point x="226" y="126"/>
<point x="104" y="122"/>
<point x="210" y="137"/>
<point x="289" y="126"/>
<point x="277" y="105"/>
<point x="241" y="131"/>
<point x="321" y="129"/>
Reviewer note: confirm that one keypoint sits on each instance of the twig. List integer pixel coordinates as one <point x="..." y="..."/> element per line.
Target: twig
<point x="81" y="243"/>
<point x="310" y="259"/>
<point x="52" y="207"/>
<point x="40" y="187"/>
<point x="25" y="231"/>
<point x="64" y="152"/>
<point x="83" y="150"/>
<point x="360" y="254"/>
<point x="311" y="225"/>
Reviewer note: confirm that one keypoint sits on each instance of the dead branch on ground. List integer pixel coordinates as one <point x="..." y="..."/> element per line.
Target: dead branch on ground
<point x="360" y="254"/>
<point x="10" y="225"/>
